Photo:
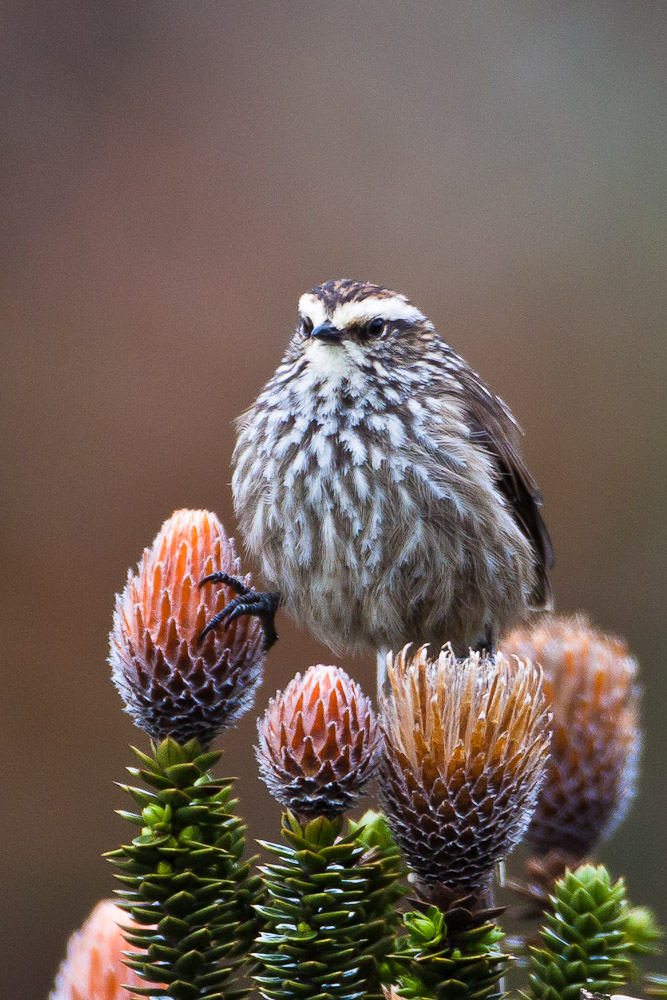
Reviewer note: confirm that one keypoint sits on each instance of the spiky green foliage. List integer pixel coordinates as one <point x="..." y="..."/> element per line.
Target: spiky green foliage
<point x="433" y="962"/>
<point x="584" y="942"/>
<point x="656" y="985"/>
<point x="329" y="910"/>
<point x="374" y="833"/>
<point x="643" y="932"/>
<point x="184" y="879"/>
<point x="644" y="937"/>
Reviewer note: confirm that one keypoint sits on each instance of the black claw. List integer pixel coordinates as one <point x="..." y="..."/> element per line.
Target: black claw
<point x="236" y="613"/>
<point x="209" y="627"/>
<point x="269" y="626"/>
<point x="487" y="641"/>
<point x="236" y="605"/>
<point x="229" y="581"/>
<point x="249" y="602"/>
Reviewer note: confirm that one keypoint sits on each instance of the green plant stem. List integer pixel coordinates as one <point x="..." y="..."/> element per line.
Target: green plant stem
<point x="329" y="911"/>
<point x="583" y="942"/>
<point x="184" y="881"/>
<point x="434" y="962"/>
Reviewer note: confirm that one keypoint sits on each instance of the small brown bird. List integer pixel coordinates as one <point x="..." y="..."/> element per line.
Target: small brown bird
<point x="380" y="484"/>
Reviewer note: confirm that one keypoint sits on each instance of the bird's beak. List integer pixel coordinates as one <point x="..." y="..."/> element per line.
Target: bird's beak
<point x="326" y="333"/>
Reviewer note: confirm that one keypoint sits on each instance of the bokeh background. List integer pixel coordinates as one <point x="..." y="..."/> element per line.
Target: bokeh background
<point x="174" y="176"/>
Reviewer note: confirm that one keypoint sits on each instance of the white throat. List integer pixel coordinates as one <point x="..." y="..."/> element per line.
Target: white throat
<point x="331" y="363"/>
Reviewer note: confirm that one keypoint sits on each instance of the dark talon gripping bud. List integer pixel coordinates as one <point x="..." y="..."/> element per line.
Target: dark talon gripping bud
<point x="263" y="604"/>
<point x="229" y="581"/>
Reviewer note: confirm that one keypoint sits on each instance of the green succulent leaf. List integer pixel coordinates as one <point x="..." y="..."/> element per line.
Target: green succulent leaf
<point x="184" y="882"/>
<point x="585" y="942"/>
<point x="643" y="932"/>
<point x="434" y="963"/>
<point x="330" y="914"/>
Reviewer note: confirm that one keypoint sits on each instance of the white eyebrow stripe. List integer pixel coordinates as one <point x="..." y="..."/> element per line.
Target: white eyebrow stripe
<point x="396" y="307"/>
<point x="313" y="308"/>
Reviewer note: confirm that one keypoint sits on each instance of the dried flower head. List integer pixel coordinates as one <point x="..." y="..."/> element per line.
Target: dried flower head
<point x="93" y="968"/>
<point x="171" y="684"/>
<point x="590" y="681"/>
<point x="318" y="743"/>
<point x="466" y="746"/>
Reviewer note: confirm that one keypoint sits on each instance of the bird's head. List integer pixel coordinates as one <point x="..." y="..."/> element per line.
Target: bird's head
<point x="346" y="325"/>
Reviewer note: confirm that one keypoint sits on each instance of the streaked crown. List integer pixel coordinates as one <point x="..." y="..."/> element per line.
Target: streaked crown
<point x="344" y="305"/>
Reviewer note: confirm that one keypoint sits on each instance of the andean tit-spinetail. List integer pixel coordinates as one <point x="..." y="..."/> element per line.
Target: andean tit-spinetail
<point x="379" y="483"/>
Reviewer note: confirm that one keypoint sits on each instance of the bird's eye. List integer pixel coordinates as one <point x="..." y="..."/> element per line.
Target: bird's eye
<point x="376" y="326"/>
<point x="306" y="326"/>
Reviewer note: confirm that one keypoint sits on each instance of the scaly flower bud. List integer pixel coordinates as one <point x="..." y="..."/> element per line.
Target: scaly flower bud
<point x="318" y="743"/>
<point x="93" y="968"/>
<point x="172" y="684"/>
<point x="590" y="681"/>
<point x="466" y="746"/>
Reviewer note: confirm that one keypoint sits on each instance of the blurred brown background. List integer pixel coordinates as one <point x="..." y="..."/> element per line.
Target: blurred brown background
<point x="175" y="175"/>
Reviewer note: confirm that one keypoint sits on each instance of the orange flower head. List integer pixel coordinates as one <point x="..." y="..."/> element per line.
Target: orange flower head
<point x="466" y="748"/>
<point x="93" y="968"/>
<point x="318" y="743"/>
<point x="591" y="683"/>
<point x="172" y="684"/>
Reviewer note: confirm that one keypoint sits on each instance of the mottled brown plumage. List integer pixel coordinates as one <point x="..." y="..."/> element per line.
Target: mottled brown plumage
<point x="380" y="483"/>
<point x="492" y="424"/>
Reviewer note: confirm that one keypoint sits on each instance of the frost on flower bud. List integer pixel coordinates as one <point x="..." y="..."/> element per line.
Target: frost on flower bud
<point x="93" y="968"/>
<point x="591" y="682"/>
<point x="171" y="684"/>
<point x="466" y="746"/>
<point x="318" y="743"/>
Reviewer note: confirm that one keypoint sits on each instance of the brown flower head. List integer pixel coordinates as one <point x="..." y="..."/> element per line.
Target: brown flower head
<point x="318" y="743"/>
<point x="171" y="684"/>
<point x="590" y="681"/>
<point x="466" y="746"/>
<point x="93" y="968"/>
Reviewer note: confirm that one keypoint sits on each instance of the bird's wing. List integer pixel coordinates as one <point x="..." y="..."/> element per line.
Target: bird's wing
<point x="492" y="424"/>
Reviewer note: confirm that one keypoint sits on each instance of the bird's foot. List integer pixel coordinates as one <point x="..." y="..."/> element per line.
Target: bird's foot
<point x="262" y="604"/>
<point x="487" y="642"/>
